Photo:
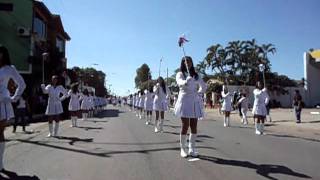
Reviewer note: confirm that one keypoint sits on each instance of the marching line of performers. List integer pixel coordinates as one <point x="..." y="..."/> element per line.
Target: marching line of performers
<point x="85" y="102"/>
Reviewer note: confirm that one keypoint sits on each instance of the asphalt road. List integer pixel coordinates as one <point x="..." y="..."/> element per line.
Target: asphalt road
<point x="119" y="146"/>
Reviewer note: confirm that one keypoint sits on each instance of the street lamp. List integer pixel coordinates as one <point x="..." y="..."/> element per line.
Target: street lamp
<point x="44" y="57"/>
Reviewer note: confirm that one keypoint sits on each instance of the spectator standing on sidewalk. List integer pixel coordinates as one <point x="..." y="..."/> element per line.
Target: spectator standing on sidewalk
<point x="7" y="72"/>
<point x="20" y="113"/>
<point x="297" y="105"/>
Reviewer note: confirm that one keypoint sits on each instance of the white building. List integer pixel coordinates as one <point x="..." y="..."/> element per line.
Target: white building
<point x="312" y="77"/>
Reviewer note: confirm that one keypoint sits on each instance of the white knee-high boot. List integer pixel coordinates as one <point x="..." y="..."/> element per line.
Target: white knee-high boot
<point x="225" y="121"/>
<point x="50" y="129"/>
<point x="156" y="126"/>
<point x="183" y="147"/>
<point x="72" y="121"/>
<point x="56" y="129"/>
<point x="75" y="121"/>
<point x="228" y="121"/>
<point x="257" y="128"/>
<point x="261" y="128"/>
<point x="192" y="145"/>
<point x="85" y="116"/>
<point x="2" y="147"/>
<point x="161" y="125"/>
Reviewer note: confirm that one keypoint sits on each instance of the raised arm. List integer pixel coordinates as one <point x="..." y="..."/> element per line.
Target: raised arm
<point x="64" y="93"/>
<point x="180" y="79"/>
<point x="17" y="78"/>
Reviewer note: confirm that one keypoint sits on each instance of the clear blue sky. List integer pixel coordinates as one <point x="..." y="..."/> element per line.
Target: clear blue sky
<point x="120" y="35"/>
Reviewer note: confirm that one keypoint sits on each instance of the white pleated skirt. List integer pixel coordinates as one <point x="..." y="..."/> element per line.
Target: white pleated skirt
<point x="54" y="107"/>
<point x="6" y="111"/>
<point x="189" y="106"/>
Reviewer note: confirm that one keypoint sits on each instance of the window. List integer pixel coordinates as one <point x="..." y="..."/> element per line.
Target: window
<point x="60" y="44"/>
<point x="39" y="27"/>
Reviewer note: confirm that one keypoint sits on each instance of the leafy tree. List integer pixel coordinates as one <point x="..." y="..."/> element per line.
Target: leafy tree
<point x="143" y="75"/>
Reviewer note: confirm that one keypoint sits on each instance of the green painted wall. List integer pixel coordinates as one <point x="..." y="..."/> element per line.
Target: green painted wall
<point x="18" y="46"/>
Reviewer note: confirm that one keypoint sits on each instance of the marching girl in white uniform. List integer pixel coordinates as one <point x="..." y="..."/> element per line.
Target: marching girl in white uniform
<point x="243" y="101"/>
<point x="137" y="104"/>
<point x="129" y="101"/>
<point x="85" y="104"/>
<point x="74" y="104"/>
<point x="161" y="92"/>
<point x="133" y="102"/>
<point x="54" y="107"/>
<point x="91" y="108"/>
<point x="259" y="110"/>
<point x="226" y="105"/>
<point x="189" y="105"/>
<point x="7" y="72"/>
<point x="141" y="104"/>
<point x="148" y="104"/>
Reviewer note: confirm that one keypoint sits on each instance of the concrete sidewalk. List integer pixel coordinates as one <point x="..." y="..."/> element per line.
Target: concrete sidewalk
<point x="283" y="122"/>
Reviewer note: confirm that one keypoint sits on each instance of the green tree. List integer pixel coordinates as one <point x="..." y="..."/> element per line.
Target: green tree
<point x="143" y="75"/>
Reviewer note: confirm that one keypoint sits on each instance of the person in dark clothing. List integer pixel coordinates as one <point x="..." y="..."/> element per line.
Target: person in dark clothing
<point x="297" y="105"/>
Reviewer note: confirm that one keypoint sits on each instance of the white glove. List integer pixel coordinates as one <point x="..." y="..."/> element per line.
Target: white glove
<point x="14" y="99"/>
<point x="43" y="86"/>
<point x="189" y="78"/>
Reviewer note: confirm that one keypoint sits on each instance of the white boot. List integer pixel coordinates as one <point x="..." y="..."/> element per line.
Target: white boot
<point x="147" y="121"/>
<point x="85" y="116"/>
<point x="50" y="129"/>
<point x="2" y="146"/>
<point x="228" y="121"/>
<point x="72" y="121"/>
<point x="257" y="128"/>
<point x="156" y="126"/>
<point x="56" y="129"/>
<point x="261" y="129"/>
<point x="225" y="122"/>
<point x="192" y="145"/>
<point x="75" y="121"/>
<point x="183" y="142"/>
<point x="161" y="125"/>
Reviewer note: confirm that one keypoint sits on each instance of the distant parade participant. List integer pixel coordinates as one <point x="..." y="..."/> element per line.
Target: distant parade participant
<point x="133" y="102"/>
<point x="148" y="104"/>
<point x="57" y="93"/>
<point x="91" y="105"/>
<point x="129" y="101"/>
<point x="159" y="103"/>
<point x="243" y="103"/>
<point x="85" y="104"/>
<point x="137" y="104"/>
<point x="259" y="109"/>
<point x="141" y="105"/>
<point x="189" y="105"/>
<point x="74" y="104"/>
<point x="7" y="72"/>
<point x="226" y="105"/>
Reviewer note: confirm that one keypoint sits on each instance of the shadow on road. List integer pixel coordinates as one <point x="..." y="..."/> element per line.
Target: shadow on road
<point x="138" y="144"/>
<point x="107" y="154"/>
<point x="90" y="128"/>
<point x="262" y="169"/>
<point x="295" y="137"/>
<point x="14" y="176"/>
<point x="75" y="139"/>
<point x="109" y="113"/>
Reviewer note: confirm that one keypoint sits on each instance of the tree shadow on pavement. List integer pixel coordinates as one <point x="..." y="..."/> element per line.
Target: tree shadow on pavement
<point x="109" y="113"/>
<point x="107" y="154"/>
<point x="75" y="139"/>
<point x="138" y="144"/>
<point x="295" y="137"/>
<point x="89" y="128"/>
<point x="95" y="121"/>
<point x="262" y="169"/>
<point x="14" y="176"/>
